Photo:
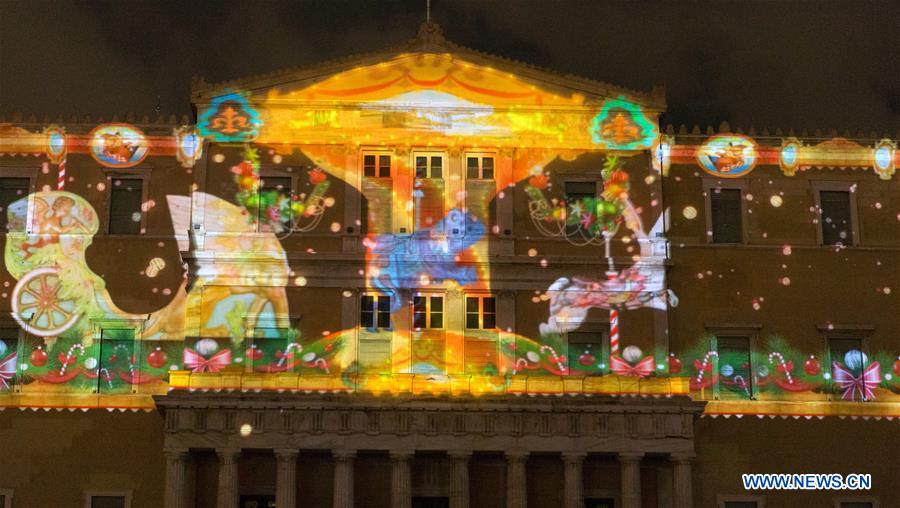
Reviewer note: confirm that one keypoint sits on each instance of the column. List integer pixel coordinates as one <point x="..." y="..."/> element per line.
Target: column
<point x="343" y="478"/>
<point x="573" y="463"/>
<point x="228" y="477"/>
<point x="286" y="478"/>
<point x="630" y="463"/>
<point x="683" y="490"/>
<point x="176" y="478"/>
<point x="459" y="478"/>
<point x="401" y="485"/>
<point x="516" y="481"/>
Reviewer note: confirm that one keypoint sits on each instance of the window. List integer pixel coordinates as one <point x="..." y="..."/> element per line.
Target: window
<point x="577" y="192"/>
<point x="479" y="168"/>
<point x="9" y="344"/>
<point x="11" y="190"/>
<point x="726" y="213"/>
<point x="848" y="360"/>
<point x="836" y="221"/>
<point x="481" y="312"/>
<point x="375" y="311"/>
<point x="125" y="199"/>
<point x="274" y="184"/>
<point x="735" y="378"/>
<point x="118" y="354"/>
<point x="429" y="166"/>
<point x="587" y="350"/>
<point x="111" y="499"/>
<point x="377" y="166"/>
<point x="428" y="312"/>
<point x="740" y="501"/>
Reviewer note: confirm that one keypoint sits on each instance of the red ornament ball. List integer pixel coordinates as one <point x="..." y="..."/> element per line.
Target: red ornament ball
<point x="812" y="366"/>
<point x="587" y="359"/>
<point x="897" y="367"/>
<point x="253" y="353"/>
<point x="675" y="364"/>
<point x="38" y="357"/>
<point x="157" y="358"/>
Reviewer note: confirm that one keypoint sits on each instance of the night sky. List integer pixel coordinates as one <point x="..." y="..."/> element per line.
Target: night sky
<point x="789" y="64"/>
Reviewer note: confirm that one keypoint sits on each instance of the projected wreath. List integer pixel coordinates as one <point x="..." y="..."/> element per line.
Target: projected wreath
<point x="282" y="213"/>
<point x="589" y="220"/>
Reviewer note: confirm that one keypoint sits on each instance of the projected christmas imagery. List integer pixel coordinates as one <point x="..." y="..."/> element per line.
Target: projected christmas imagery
<point x="279" y="172"/>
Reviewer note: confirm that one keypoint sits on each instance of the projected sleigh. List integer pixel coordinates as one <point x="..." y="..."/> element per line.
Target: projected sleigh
<point x="57" y="294"/>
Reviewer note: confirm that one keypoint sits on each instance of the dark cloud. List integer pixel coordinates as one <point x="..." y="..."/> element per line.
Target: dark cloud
<point x="766" y="64"/>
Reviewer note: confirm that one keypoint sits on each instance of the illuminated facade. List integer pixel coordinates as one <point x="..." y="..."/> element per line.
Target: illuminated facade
<point x="429" y="272"/>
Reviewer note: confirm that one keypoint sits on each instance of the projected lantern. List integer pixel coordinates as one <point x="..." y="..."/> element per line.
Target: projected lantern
<point x="790" y="156"/>
<point x="188" y="146"/>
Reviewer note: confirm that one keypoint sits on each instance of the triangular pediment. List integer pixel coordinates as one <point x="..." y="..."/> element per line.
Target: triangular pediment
<point x="432" y="86"/>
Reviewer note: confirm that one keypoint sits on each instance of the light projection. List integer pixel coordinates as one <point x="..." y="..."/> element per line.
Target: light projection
<point x="118" y="145"/>
<point x="428" y="231"/>
<point x="622" y="125"/>
<point x="229" y="118"/>
<point x="729" y="156"/>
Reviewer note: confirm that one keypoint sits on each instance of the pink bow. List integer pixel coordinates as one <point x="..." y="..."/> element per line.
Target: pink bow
<point x="197" y="363"/>
<point x="7" y="369"/>
<point x="621" y="367"/>
<point x="862" y="384"/>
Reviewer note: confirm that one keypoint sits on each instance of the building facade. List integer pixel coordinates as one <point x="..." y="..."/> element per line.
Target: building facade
<point x="429" y="277"/>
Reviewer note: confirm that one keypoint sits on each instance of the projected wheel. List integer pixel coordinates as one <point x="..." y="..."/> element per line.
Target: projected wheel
<point x="37" y="306"/>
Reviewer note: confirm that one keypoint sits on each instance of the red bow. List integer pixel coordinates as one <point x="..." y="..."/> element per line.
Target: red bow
<point x="862" y="384"/>
<point x="197" y="363"/>
<point x="7" y="369"/>
<point x="643" y="368"/>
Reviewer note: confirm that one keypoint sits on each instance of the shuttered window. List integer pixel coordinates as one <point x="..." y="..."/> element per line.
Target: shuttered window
<point x="725" y="208"/>
<point x="836" y="220"/>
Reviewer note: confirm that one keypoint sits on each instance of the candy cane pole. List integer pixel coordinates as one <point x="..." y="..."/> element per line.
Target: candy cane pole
<point x="61" y="176"/>
<point x="613" y="312"/>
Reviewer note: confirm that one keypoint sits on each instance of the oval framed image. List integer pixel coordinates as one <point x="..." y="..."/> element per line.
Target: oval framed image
<point x="118" y="145"/>
<point x="728" y="155"/>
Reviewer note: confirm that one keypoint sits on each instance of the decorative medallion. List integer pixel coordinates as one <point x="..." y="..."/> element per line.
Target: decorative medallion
<point x="622" y="125"/>
<point x="790" y="156"/>
<point x="230" y="118"/>
<point x="728" y="155"/>
<point x="188" y="146"/>
<point x="883" y="158"/>
<point x="117" y="145"/>
<point x="56" y="143"/>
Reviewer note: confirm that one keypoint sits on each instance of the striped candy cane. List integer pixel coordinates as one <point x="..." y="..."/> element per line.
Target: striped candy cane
<point x="613" y="331"/>
<point x="61" y="176"/>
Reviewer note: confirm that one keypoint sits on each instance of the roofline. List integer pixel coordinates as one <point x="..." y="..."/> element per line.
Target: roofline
<point x="430" y="39"/>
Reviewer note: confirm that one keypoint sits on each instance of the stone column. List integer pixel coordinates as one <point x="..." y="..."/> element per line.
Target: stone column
<point x="176" y="478"/>
<point x="630" y="463"/>
<point x="228" y="477"/>
<point x="573" y="463"/>
<point x="459" y="478"/>
<point x="516" y="481"/>
<point x="286" y="478"/>
<point x="401" y="484"/>
<point x="683" y="490"/>
<point x="343" y="478"/>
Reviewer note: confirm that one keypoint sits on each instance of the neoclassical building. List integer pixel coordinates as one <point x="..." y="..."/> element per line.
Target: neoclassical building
<point x="429" y="277"/>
